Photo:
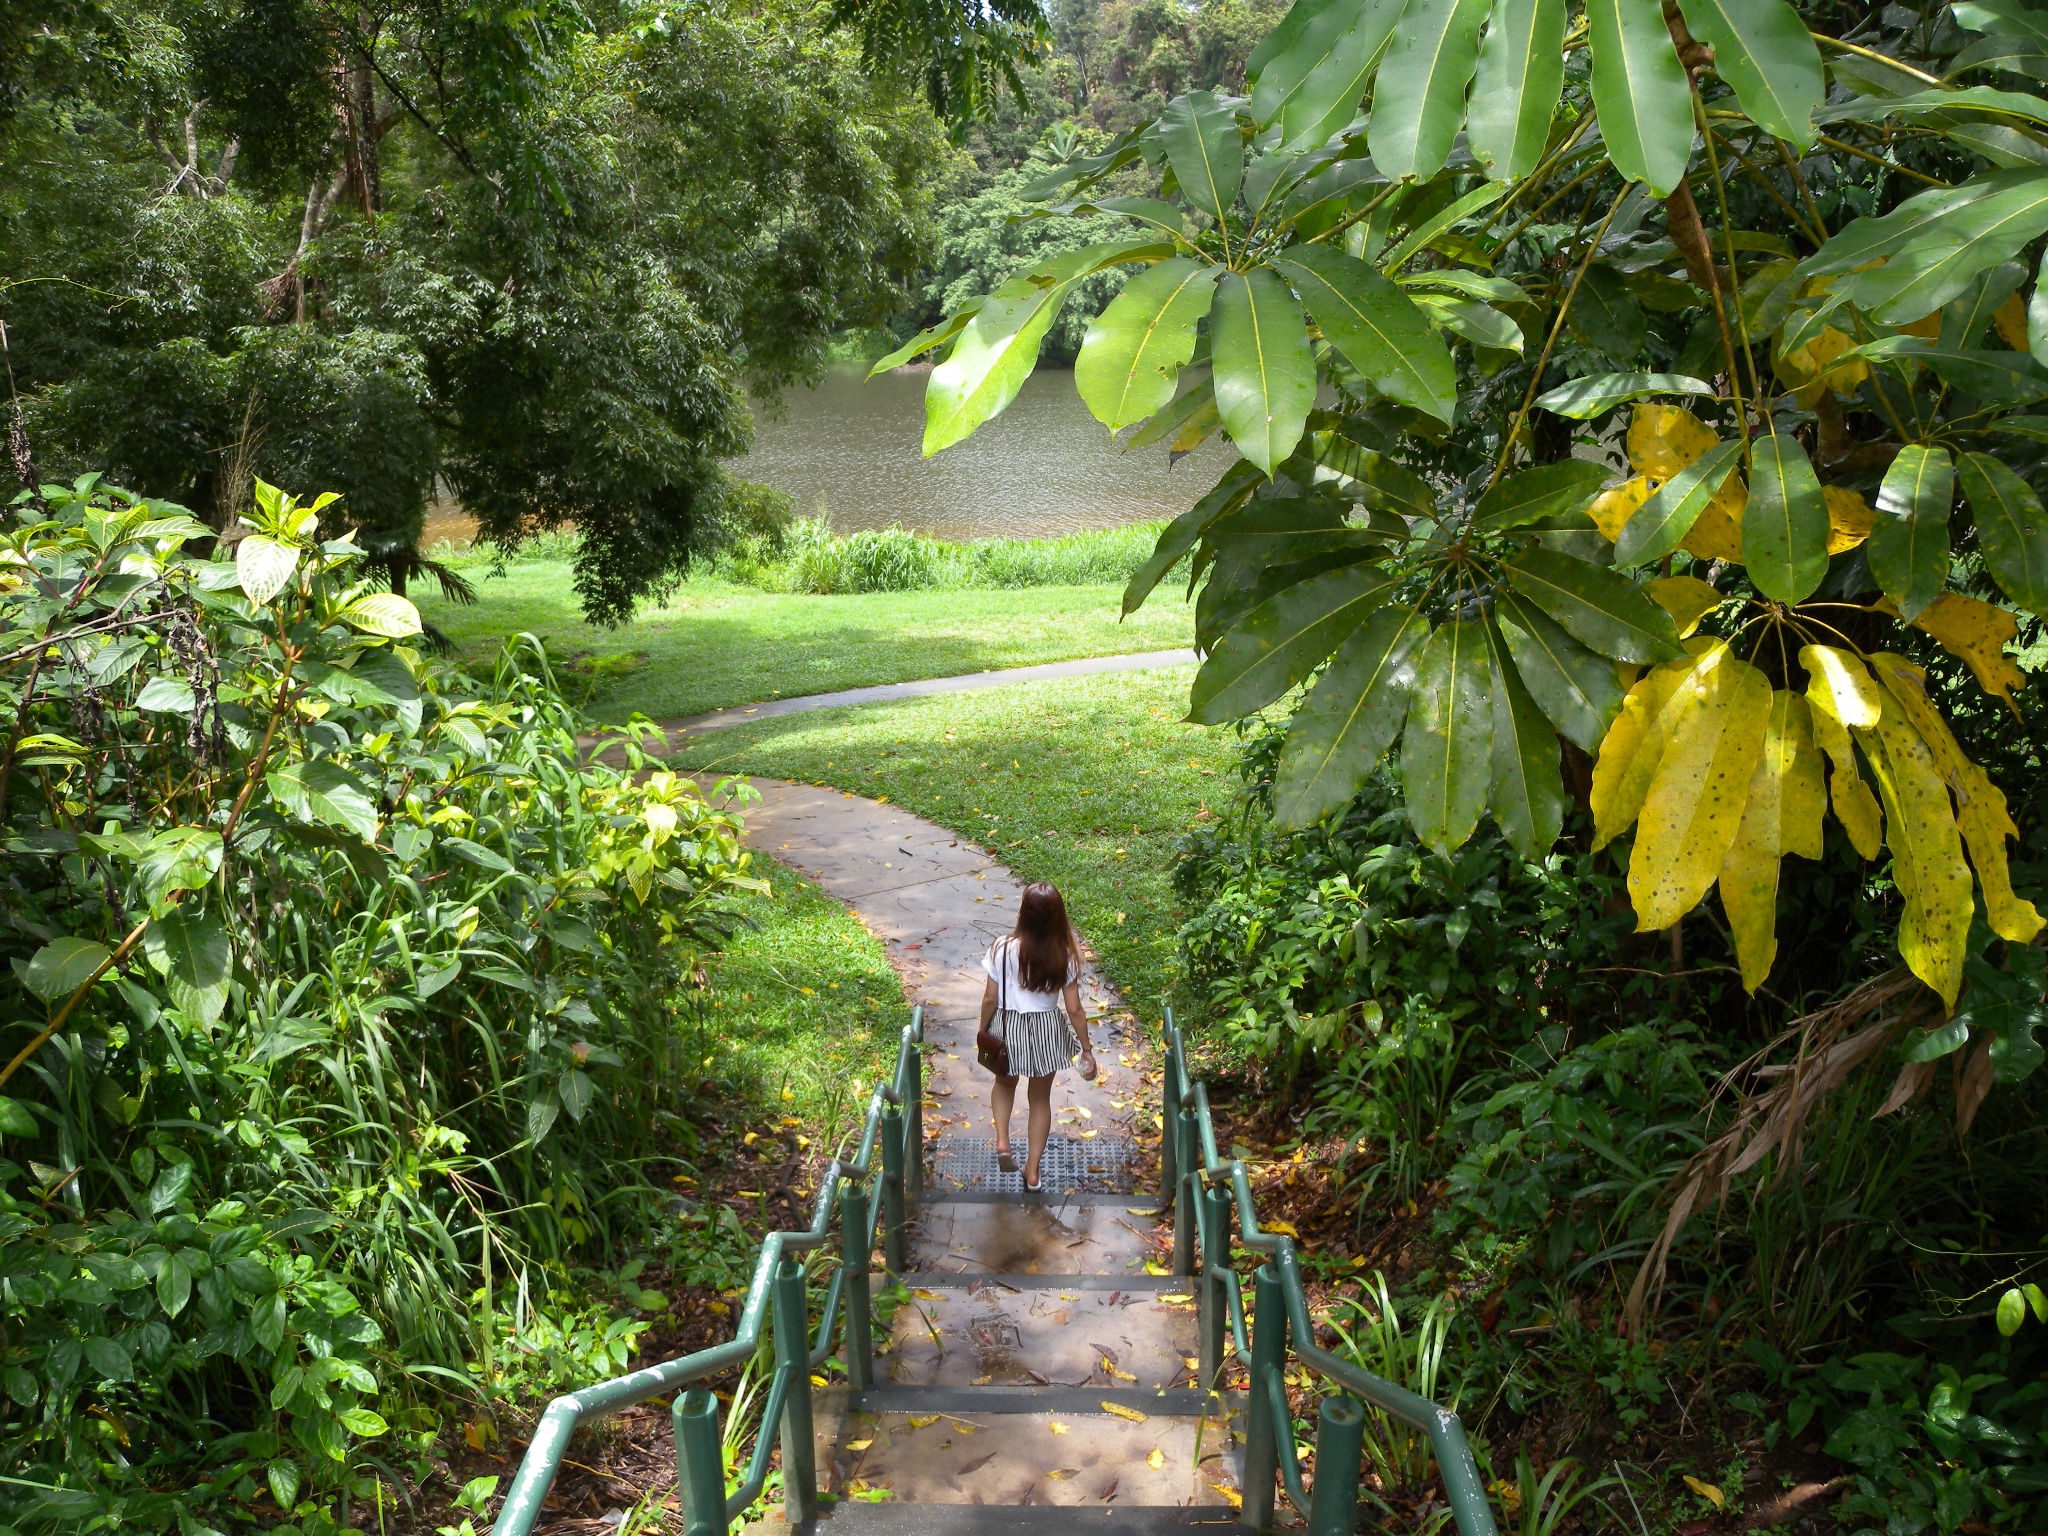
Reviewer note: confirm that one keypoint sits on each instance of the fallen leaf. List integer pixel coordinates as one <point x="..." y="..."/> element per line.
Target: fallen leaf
<point x="926" y="1295"/>
<point x="1124" y="1413"/>
<point x="981" y="1381"/>
<point x="919" y="1422"/>
<point x="1110" y="1370"/>
<point x="978" y="1463"/>
<point x="1061" y="1474"/>
<point x="1057" y="1427"/>
<point x="858" y="1445"/>
<point x="1706" y="1491"/>
<point x="1156" y="1460"/>
<point x="1109" y="1492"/>
<point x="1177" y="1299"/>
<point x="1284" y="1228"/>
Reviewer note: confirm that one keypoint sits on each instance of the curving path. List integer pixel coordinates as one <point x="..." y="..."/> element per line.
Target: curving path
<point x="967" y="682"/>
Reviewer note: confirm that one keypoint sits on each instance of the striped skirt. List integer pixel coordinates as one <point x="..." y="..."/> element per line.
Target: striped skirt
<point x="1040" y="1043"/>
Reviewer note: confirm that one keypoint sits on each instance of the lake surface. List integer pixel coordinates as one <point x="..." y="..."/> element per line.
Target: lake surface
<point x="850" y="452"/>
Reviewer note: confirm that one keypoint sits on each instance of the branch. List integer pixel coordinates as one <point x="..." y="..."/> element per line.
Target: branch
<point x="71" y="1002"/>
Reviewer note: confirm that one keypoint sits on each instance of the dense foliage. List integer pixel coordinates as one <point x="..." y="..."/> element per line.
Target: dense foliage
<point x="436" y="248"/>
<point x="338" y="981"/>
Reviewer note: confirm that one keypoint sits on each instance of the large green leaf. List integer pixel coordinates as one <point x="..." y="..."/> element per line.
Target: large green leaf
<point x="1640" y="92"/>
<point x="1419" y="96"/>
<point x="1377" y="327"/>
<point x="1517" y="85"/>
<point x="1428" y="230"/>
<point x="2037" y="314"/>
<point x="1785" y="527"/>
<point x="1763" y="50"/>
<point x="1525" y="791"/>
<point x="1289" y="53"/>
<point x="1328" y="99"/>
<point x="1447" y="742"/>
<point x="1921" y="220"/>
<point x="1577" y="690"/>
<point x="1932" y="260"/>
<point x="321" y="790"/>
<point x="190" y="951"/>
<point x="1264" y="373"/>
<point x="1598" y="607"/>
<point x="1227" y="600"/>
<point x="1343" y="727"/>
<point x="1480" y="324"/>
<point x="2011" y="529"/>
<point x="931" y="336"/>
<point x="1282" y="640"/>
<point x="2003" y="378"/>
<point x="1660" y="524"/>
<point x="1132" y="355"/>
<point x="998" y="348"/>
<point x="1230" y="492"/>
<point x="1530" y="495"/>
<point x="1966" y="317"/>
<point x="1583" y="399"/>
<point x="1941" y="105"/>
<point x="1607" y="317"/>
<point x="1908" y="549"/>
<point x="61" y="967"/>
<point x="1205" y="150"/>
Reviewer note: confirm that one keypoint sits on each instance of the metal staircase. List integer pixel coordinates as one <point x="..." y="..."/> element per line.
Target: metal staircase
<point x="1036" y="1372"/>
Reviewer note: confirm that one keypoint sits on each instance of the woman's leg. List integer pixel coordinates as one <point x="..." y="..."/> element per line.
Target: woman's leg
<point x="1001" y="1100"/>
<point x="1037" y="1124"/>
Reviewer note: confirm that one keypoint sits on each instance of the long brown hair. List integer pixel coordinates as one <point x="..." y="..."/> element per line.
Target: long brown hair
<point x="1047" y="952"/>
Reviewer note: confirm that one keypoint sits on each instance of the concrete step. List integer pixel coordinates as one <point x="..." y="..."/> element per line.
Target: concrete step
<point x="1036" y="1236"/>
<point x="988" y="1332"/>
<point x="1078" y="1449"/>
<point x="858" y="1518"/>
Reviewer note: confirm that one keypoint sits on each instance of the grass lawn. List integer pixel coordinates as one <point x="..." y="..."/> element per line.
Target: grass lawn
<point x="714" y="644"/>
<point x="1086" y="782"/>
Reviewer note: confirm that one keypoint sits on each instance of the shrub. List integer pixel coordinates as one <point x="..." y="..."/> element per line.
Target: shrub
<point x="338" y="976"/>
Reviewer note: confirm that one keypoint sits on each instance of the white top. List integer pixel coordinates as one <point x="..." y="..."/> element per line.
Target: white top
<point x="1001" y="965"/>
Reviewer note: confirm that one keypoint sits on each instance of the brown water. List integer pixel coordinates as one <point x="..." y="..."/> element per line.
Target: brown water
<point x="850" y="452"/>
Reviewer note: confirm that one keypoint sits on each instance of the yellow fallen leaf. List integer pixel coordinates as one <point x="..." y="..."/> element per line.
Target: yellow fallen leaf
<point x="1061" y="1474"/>
<point x="1124" y="1413"/>
<point x="925" y="1295"/>
<point x="1109" y="1369"/>
<point x="1849" y="517"/>
<point x="1177" y="1299"/>
<point x="1714" y="730"/>
<point x="1230" y="1493"/>
<point x="1156" y="1460"/>
<point x="1057" y="1427"/>
<point x="1154" y="1267"/>
<point x="1977" y="634"/>
<point x="1687" y="599"/>
<point x="1285" y="1228"/>
<point x="981" y="1381"/>
<point x="858" y="1445"/>
<point x="1706" y="1491"/>
<point x="920" y="1421"/>
<point x="963" y="1429"/>
<point x="1663" y="439"/>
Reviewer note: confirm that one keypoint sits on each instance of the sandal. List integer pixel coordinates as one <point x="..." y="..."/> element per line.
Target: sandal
<point x="1035" y="1189"/>
<point x="1006" y="1161"/>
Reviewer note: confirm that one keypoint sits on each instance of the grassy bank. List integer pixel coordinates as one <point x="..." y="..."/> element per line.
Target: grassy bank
<point x="1086" y="782"/>
<point x="715" y="642"/>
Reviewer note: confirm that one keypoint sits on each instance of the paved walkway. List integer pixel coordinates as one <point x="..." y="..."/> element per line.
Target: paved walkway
<point x="1087" y="666"/>
<point x="1037" y="1362"/>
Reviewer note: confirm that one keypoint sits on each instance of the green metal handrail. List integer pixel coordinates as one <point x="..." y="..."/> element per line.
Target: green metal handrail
<point x="895" y="1125"/>
<point x="1191" y="1173"/>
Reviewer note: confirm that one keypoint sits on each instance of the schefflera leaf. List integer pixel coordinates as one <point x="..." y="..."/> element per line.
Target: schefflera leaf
<point x="1640" y="92"/>
<point x="1349" y="719"/>
<point x="1516" y="88"/>
<point x="1525" y="789"/>
<point x="1909" y="553"/>
<point x="1447" y="743"/>
<point x="1782" y="815"/>
<point x="1841" y="696"/>
<point x="1763" y="49"/>
<point x="1377" y="328"/>
<point x="1419" y="97"/>
<point x="1264" y="372"/>
<point x="1131" y="357"/>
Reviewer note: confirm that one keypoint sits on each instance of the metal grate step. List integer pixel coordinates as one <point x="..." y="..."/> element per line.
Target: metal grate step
<point x="1100" y="1165"/>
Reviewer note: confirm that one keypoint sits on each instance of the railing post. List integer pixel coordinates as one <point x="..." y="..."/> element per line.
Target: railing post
<point x="892" y="1189"/>
<point x="1262" y="1435"/>
<point x="700" y="1471"/>
<point x="1184" y="1212"/>
<point x="1216" y="1273"/>
<point x="854" y="1258"/>
<point x="913" y="1131"/>
<point x="792" y="1354"/>
<point x="1169" y="1119"/>
<point x="1340" y="1443"/>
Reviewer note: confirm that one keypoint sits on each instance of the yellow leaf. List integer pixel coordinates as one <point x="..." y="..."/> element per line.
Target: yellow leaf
<point x="1812" y="367"/>
<point x="1611" y="510"/>
<point x="1706" y="1491"/>
<point x="1629" y="752"/>
<point x="1124" y="1413"/>
<point x="1061" y="1474"/>
<point x="1838" y="683"/>
<point x="1156" y="1460"/>
<point x="1236" y="1498"/>
<point x="1687" y="599"/>
<point x="1286" y="1227"/>
<point x="2011" y="320"/>
<point x="1749" y="872"/>
<point x="1927" y="851"/>
<point x="1855" y="807"/>
<point x="858" y="1445"/>
<point x="1057" y="1427"/>
<point x="1713" y="731"/>
<point x="1663" y="439"/>
<point x="1981" y="813"/>
<point x="1109" y="1369"/>
<point x="1927" y="327"/>
<point x="1849" y="518"/>
<point x="922" y="1421"/>
<point x="1977" y="633"/>
<point x="1717" y="533"/>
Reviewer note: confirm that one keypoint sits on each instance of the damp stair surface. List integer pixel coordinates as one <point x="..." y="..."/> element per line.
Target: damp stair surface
<point x="1036" y="1378"/>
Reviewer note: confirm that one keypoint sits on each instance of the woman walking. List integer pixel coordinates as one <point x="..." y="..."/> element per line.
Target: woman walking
<point x="1031" y="972"/>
